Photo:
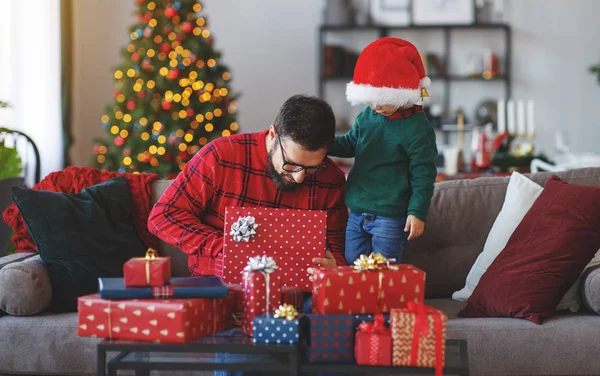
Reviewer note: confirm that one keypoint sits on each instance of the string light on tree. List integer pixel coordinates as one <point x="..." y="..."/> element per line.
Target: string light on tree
<point x="172" y="93"/>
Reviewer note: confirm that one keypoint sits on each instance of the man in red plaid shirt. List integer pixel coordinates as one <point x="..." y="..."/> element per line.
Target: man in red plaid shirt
<point x="282" y="167"/>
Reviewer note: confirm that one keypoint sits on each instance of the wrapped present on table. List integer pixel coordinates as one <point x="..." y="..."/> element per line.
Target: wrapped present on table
<point x="176" y="288"/>
<point x="170" y="321"/>
<point x="372" y="285"/>
<point x="292" y="237"/>
<point x="289" y="295"/>
<point x="419" y="337"/>
<point x="147" y="271"/>
<point x="262" y="290"/>
<point x="373" y="343"/>
<point x="285" y="326"/>
<point x="332" y="337"/>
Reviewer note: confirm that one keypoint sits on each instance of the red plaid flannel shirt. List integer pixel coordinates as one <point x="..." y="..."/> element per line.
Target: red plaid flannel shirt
<point x="233" y="171"/>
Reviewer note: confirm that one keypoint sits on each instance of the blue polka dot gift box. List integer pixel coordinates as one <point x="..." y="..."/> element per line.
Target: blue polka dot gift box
<point x="279" y="329"/>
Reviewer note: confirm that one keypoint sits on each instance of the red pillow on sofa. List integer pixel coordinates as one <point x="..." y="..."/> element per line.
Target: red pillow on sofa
<point x="548" y="250"/>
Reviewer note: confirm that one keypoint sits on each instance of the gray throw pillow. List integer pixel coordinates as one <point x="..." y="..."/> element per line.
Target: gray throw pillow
<point x="590" y="288"/>
<point x="24" y="285"/>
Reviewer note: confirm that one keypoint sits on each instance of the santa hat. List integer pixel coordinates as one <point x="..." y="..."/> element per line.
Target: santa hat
<point x="389" y="71"/>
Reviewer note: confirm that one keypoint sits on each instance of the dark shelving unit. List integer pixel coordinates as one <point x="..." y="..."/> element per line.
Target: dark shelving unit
<point x="384" y="31"/>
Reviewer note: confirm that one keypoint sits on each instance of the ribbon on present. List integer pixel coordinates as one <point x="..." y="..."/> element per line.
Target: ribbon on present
<point x="286" y="311"/>
<point x="244" y="229"/>
<point x="375" y="328"/>
<point x="150" y="256"/>
<point x="422" y="327"/>
<point x="375" y="262"/>
<point x="265" y="265"/>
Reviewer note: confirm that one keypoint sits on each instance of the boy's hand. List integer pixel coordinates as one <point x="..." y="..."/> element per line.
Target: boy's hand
<point x="415" y="226"/>
<point x="328" y="260"/>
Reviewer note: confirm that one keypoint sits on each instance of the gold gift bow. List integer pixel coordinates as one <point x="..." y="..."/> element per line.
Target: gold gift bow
<point x="150" y="256"/>
<point x="375" y="262"/>
<point x="286" y="311"/>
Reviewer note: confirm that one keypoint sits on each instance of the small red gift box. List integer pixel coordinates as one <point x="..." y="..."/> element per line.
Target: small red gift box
<point x="170" y="321"/>
<point x="147" y="271"/>
<point x="353" y="290"/>
<point x="262" y="290"/>
<point x="418" y="337"/>
<point x="373" y="343"/>
<point x="292" y="237"/>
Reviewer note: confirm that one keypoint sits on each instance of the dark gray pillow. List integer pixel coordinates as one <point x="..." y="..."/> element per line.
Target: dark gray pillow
<point x="25" y="287"/>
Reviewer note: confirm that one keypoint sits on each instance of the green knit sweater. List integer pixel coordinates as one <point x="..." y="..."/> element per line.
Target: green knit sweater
<point x="394" y="169"/>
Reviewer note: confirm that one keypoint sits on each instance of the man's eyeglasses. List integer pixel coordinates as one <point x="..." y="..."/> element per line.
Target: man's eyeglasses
<point x="293" y="167"/>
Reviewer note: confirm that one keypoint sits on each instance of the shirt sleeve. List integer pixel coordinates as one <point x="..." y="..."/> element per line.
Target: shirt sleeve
<point x="337" y="219"/>
<point x="345" y="146"/>
<point x="423" y="153"/>
<point x="175" y="218"/>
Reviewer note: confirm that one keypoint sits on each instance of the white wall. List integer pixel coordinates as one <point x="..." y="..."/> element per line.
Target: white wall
<point x="271" y="45"/>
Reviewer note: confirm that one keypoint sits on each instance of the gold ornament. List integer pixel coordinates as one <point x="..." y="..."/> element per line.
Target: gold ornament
<point x="286" y="311"/>
<point x="424" y="93"/>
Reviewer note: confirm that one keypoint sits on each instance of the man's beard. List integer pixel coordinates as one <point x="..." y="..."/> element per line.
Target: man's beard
<point x="278" y="178"/>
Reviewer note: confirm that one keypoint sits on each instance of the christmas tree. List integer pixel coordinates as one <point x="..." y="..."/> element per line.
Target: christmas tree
<point x="171" y="92"/>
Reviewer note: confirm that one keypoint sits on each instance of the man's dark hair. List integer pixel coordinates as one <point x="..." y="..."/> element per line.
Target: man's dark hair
<point x="307" y="121"/>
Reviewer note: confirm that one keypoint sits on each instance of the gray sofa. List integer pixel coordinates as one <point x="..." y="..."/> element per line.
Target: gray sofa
<point x="461" y="215"/>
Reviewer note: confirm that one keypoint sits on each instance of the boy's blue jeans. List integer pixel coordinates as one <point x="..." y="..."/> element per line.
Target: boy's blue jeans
<point x="366" y="233"/>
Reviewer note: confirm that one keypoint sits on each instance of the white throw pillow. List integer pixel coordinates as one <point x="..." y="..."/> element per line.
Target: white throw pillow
<point x="520" y="196"/>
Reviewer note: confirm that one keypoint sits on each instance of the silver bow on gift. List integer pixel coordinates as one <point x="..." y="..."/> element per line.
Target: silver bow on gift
<point x="261" y="264"/>
<point x="244" y="229"/>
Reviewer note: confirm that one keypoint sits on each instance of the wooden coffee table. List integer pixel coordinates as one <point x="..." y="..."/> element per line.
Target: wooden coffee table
<point x="200" y="355"/>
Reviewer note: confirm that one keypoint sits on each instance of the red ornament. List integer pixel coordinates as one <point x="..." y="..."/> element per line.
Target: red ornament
<point x="190" y="112"/>
<point x="135" y="56"/>
<point x="119" y="141"/>
<point x="187" y="27"/>
<point x="116" y="93"/>
<point x="146" y="65"/>
<point x="184" y="155"/>
<point x="141" y="94"/>
<point x="165" y="47"/>
<point x="130" y="105"/>
<point x="167" y="105"/>
<point x="97" y="149"/>
<point x="139" y="1"/>
<point x="147" y="17"/>
<point x="170" y="12"/>
<point x="173" y="74"/>
<point x="168" y="157"/>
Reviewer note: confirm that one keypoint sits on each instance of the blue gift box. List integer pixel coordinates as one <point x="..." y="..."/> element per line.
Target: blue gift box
<point x="270" y="330"/>
<point x="332" y="337"/>
<point x="177" y="288"/>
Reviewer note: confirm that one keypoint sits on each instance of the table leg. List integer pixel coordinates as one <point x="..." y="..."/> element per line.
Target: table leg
<point x="294" y="364"/>
<point x="101" y="362"/>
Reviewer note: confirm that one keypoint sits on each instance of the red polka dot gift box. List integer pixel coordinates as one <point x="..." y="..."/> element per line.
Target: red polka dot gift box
<point x="292" y="237"/>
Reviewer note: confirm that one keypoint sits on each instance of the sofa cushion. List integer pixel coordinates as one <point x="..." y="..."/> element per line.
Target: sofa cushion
<point x="545" y="255"/>
<point x="590" y="288"/>
<point x="25" y="287"/>
<point x="81" y="236"/>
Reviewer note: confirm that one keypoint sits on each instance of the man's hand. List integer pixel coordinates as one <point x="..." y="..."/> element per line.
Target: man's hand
<point x="415" y="226"/>
<point x="328" y="260"/>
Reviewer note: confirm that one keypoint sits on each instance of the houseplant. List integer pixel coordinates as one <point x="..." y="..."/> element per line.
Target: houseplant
<point x="11" y="167"/>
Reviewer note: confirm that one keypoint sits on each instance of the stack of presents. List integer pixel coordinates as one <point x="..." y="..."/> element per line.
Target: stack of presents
<point x="370" y="313"/>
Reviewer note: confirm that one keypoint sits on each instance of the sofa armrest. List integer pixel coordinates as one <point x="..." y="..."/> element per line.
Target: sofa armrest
<point x="16" y="257"/>
<point x="590" y="288"/>
<point x="25" y="287"/>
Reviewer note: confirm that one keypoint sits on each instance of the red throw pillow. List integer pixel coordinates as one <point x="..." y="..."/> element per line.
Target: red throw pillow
<point x="544" y="256"/>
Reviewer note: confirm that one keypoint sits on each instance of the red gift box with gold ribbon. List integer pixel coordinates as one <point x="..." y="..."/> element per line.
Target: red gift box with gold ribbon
<point x="373" y="343"/>
<point x="262" y="290"/>
<point x="418" y="337"/>
<point x="376" y="287"/>
<point x="169" y="321"/>
<point x="147" y="271"/>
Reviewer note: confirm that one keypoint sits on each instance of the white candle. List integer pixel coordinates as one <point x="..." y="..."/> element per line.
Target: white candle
<point x="521" y="117"/>
<point x="511" y="116"/>
<point x="501" y="114"/>
<point x="530" y="119"/>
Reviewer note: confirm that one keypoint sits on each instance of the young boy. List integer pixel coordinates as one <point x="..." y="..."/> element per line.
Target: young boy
<point x="390" y="185"/>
